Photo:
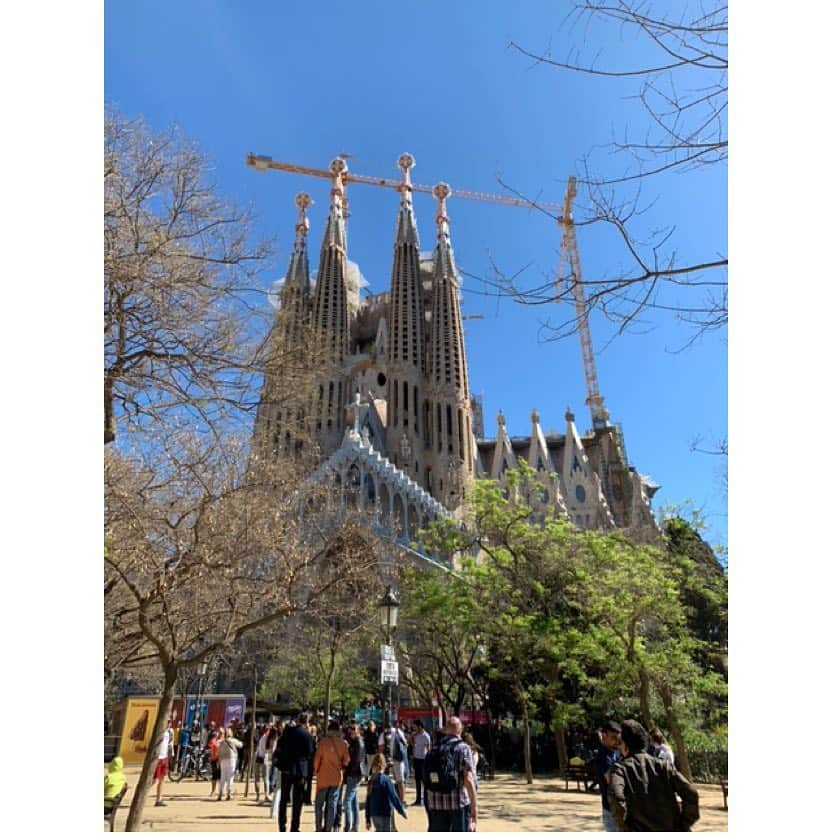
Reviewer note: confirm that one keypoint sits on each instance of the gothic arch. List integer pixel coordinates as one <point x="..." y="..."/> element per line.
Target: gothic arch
<point x="400" y="520"/>
<point x="384" y="506"/>
<point x="413" y="520"/>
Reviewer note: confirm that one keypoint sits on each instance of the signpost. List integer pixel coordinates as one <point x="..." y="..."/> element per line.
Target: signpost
<point x="390" y="672"/>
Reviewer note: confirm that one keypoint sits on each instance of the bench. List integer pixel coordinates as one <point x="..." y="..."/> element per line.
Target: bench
<point x="577" y="773"/>
<point x="110" y="812"/>
<point x="724" y="785"/>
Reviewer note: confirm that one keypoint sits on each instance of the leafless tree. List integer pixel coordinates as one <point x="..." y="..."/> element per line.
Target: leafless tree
<point x="203" y="549"/>
<point x="180" y="284"/>
<point x="683" y="96"/>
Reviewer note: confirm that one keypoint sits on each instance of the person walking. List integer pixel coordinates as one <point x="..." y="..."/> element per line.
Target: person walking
<point x="643" y="789"/>
<point x="261" y="772"/>
<point x="184" y="743"/>
<point x="371" y="744"/>
<point x="349" y="798"/>
<point x="295" y="752"/>
<point x="274" y="770"/>
<point x="448" y="779"/>
<point x="162" y="751"/>
<point x="227" y="749"/>
<point x="331" y="758"/>
<point x="422" y="746"/>
<point x="399" y="756"/>
<point x="381" y="799"/>
<point x="215" y="737"/>
<point x="607" y="755"/>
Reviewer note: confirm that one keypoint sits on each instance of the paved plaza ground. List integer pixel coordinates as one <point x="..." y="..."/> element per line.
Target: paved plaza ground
<point x="506" y="803"/>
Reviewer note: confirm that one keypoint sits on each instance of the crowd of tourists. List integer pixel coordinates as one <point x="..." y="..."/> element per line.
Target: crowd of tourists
<point x="640" y="786"/>
<point x="290" y="755"/>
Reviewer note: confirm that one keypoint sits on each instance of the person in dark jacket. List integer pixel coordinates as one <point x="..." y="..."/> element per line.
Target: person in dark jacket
<point x="607" y="755"/>
<point x="382" y="798"/>
<point x="371" y="745"/>
<point x="294" y="752"/>
<point x="643" y="789"/>
<point x="348" y="799"/>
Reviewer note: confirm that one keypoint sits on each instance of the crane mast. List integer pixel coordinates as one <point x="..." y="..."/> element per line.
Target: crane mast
<point x="569" y="255"/>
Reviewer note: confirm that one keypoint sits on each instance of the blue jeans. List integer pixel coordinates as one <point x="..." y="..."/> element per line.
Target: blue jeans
<point x="449" y="820"/>
<point x="608" y="822"/>
<point x="382" y="823"/>
<point x="349" y="800"/>
<point x="326" y="801"/>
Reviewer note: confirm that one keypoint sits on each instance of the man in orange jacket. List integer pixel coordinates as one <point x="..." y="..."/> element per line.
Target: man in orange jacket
<point x="331" y="757"/>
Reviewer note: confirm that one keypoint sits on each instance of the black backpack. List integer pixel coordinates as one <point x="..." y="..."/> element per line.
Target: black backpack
<point x="441" y="773"/>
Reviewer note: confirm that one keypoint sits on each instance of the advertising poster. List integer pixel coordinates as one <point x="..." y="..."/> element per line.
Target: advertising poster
<point x="235" y="706"/>
<point x="216" y="712"/>
<point x="139" y="718"/>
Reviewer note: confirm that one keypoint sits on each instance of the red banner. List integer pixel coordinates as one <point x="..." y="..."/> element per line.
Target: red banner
<point x="413" y="714"/>
<point x="476" y="718"/>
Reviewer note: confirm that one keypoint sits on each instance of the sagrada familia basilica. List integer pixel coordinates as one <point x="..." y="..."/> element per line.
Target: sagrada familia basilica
<point x="389" y="404"/>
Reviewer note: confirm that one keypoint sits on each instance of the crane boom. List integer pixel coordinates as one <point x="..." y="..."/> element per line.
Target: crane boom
<point x="569" y="254"/>
<point x="264" y="163"/>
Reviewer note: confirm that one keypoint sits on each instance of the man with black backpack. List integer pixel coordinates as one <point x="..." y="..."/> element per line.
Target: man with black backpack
<point x="448" y="779"/>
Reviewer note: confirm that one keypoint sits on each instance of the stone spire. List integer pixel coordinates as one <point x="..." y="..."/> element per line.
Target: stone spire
<point x="330" y="316"/>
<point x="452" y="439"/>
<point x="295" y="292"/>
<point x="280" y="423"/>
<point x="405" y="328"/>
<point x="447" y="351"/>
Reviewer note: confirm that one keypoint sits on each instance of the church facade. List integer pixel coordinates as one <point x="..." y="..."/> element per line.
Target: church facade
<point x="387" y="403"/>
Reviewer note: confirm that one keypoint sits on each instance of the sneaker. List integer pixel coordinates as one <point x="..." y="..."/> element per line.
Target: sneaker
<point x="160" y="804"/>
<point x="219" y="798"/>
<point x="228" y="797"/>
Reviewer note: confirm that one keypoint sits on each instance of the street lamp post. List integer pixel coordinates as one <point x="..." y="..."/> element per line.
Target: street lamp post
<point x="389" y="614"/>
<point x="203" y="670"/>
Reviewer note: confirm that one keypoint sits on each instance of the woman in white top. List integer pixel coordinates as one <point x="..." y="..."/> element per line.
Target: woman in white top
<point x="661" y="749"/>
<point x="227" y="756"/>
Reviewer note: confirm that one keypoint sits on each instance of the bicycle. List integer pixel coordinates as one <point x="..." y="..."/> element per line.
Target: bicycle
<point x="194" y="763"/>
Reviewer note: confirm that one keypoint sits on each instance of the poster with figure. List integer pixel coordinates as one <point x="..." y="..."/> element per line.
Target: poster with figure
<point x="235" y="706"/>
<point x="139" y="717"/>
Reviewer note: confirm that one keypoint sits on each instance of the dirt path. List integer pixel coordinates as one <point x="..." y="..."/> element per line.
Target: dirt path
<point x="506" y="804"/>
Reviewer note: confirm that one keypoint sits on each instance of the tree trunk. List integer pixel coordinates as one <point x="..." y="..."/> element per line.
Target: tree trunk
<point x="251" y="751"/>
<point x="527" y="742"/>
<point x="492" y="748"/>
<point x="680" y="754"/>
<point x="143" y="785"/>
<point x="645" y="700"/>
<point x="328" y="686"/>
<point x="109" y="418"/>
<point x="561" y="747"/>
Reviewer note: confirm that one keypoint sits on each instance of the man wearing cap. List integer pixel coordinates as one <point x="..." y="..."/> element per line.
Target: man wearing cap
<point x="643" y="789"/>
<point x="607" y="755"/>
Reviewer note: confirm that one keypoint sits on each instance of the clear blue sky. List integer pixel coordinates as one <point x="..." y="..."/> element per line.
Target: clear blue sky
<point x="303" y="82"/>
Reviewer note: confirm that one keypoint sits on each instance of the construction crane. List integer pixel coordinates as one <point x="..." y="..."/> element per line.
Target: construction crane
<point x="568" y="255"/>
<point x="266" y="163"/>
